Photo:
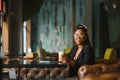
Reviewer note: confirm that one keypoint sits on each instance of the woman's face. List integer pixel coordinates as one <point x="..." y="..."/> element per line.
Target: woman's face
<point x="80" y="36"/>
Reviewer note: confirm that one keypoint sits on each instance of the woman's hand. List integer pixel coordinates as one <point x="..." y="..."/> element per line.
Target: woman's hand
<point x="67" y="59"/>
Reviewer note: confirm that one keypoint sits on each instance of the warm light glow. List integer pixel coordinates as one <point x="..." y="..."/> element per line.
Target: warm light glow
<point x="114" y="5"/>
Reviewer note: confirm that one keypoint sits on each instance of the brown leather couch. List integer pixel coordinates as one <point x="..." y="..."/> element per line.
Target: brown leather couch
<point x="39" y="73"/>
<point x="102" y="70"/>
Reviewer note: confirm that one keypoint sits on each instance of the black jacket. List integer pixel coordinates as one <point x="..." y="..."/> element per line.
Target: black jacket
<point x="86" y="56"/>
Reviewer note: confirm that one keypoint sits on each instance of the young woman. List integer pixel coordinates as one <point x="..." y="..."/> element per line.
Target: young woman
<point x="82" y="52"/>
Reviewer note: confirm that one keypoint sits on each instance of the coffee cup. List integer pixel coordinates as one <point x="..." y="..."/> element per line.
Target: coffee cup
<point x="60" y="56"/>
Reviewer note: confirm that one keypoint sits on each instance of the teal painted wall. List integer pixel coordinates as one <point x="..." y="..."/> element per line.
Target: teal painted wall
<point x="54" y="24"/>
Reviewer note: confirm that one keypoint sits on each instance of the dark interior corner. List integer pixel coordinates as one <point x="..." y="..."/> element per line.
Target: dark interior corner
<point x="31" y="8"/>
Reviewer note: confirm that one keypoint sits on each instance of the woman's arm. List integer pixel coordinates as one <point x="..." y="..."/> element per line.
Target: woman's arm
<point x="88" y="56"/>
<point x="69" y="60"/>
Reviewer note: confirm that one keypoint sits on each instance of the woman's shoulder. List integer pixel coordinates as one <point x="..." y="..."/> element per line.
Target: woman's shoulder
<point x="75" y="46"/>
<point x="88" y="47"/>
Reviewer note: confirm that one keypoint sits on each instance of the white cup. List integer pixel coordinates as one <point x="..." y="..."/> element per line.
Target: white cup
<point x="61" y="53"/>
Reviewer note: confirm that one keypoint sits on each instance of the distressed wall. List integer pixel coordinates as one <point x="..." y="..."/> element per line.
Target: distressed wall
<point x="54" y="24"/>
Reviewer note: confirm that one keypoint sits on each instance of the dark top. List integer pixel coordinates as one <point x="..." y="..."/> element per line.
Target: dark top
<point x="86" y="56"/>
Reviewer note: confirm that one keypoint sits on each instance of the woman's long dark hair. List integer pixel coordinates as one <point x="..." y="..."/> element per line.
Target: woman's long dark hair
<point x="84" y="28"/>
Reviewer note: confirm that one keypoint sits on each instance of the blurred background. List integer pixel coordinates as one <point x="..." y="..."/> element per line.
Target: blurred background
<point x="26" y="23"/>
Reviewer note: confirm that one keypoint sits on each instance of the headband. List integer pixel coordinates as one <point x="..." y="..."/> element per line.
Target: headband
<point x="83" y="27"/>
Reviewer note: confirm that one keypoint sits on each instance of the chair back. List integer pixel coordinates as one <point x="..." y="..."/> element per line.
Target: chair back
<point x="110" y="54"/>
